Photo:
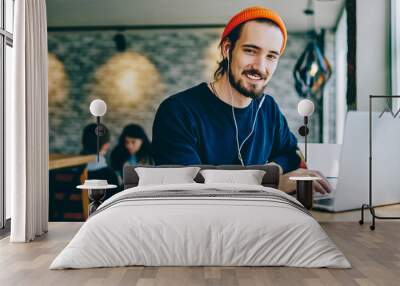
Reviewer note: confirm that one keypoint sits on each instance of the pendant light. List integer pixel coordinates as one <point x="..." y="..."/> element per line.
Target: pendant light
<point x="312" y="69"/>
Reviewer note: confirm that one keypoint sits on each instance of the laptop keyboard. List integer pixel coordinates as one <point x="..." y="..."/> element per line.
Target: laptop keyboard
<point x="325" y="202"/>
<point x="318" y="196"/>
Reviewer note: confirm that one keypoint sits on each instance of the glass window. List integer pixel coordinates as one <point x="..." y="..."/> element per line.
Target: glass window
<point x="9" y="17"/>
<point x="6" y="67"/>
<point x="1" y="13"/>
<point x="2" y="201"/>
<point x="8" y="86"/>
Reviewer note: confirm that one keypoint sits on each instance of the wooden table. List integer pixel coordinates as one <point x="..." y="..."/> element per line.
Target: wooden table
<point x="57" y="161"/>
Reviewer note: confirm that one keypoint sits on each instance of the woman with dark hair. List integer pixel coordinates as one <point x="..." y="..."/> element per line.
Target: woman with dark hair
<point x="133" y="148"/>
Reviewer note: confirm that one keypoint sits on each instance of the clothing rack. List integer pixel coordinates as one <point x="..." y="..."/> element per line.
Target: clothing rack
<point x="369" y="205"/>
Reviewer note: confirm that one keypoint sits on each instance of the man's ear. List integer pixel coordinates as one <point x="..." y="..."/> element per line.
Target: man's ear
<point x="226" y="46"/>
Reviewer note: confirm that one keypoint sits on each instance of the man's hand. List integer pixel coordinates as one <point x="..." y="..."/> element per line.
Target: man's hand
<point x="321" y="186"/>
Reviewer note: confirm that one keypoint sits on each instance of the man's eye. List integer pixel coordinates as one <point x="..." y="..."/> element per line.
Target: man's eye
<point x="272" y="57"/>
<point x="248" y="51"/>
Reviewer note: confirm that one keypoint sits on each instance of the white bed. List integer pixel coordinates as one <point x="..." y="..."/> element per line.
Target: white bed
<point x="222" y="225"/>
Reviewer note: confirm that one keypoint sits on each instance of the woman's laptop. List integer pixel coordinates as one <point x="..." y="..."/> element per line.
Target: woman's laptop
<point x="346" y="166"/>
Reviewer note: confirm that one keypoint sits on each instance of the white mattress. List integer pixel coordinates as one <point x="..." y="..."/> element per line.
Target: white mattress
<point x="190" y="230"/>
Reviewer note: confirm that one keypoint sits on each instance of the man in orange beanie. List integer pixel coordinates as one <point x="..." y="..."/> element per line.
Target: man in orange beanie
<point x="231" y="120"/>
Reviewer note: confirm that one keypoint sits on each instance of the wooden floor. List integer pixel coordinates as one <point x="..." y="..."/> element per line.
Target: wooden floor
<point x="374" y="255"/>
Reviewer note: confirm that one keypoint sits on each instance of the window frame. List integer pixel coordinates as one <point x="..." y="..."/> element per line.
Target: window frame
<point x="6" y="39"/>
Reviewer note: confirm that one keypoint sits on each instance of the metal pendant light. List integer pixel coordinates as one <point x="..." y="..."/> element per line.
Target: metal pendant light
<point x="312" y="69"/>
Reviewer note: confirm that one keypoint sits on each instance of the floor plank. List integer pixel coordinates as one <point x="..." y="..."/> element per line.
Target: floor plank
<point x="375" y="257"/>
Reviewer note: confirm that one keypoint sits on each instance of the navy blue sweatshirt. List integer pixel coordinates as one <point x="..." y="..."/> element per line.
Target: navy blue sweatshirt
<point x="196" y="127"/>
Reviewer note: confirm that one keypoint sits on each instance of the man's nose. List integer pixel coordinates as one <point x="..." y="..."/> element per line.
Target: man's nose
<point x="261" y="65"/>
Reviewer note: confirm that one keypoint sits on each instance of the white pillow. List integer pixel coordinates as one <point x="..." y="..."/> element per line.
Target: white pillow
<point x="163" y="176"/>
<point x="248" y="177"/>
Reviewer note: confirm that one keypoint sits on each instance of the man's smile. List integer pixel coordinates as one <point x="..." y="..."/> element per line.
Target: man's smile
<point x="254" y="76"/>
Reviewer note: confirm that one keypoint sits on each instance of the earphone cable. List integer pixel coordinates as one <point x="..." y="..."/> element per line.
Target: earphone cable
<point x="240" y="146"/>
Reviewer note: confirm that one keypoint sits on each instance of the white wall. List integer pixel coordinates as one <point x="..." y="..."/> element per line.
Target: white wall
<point x="373" y="51"/>
<point x="182" y="12"/>
<point x="329" y="99"/>
<point x="341" y="76"/>
<point x="395" y="45"/>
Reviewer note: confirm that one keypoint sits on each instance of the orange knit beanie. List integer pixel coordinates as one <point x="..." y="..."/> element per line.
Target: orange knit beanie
<point x="252" y="13"/>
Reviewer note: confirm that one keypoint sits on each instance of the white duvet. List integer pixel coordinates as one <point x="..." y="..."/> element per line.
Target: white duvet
<point x="183" y="231"/>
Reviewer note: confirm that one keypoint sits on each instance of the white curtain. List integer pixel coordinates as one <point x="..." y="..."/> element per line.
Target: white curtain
<point x="27" y="124"/>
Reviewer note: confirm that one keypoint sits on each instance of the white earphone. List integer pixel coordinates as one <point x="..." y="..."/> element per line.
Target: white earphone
<point x="240" y="146"/>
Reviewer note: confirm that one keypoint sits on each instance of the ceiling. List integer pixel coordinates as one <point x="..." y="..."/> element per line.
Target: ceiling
<point x="69" y="13"/>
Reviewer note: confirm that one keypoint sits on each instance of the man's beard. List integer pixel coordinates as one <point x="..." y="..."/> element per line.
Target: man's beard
<point x="237" y="84"/>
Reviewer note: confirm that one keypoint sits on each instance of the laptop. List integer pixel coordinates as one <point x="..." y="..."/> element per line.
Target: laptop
<point x="346" y="166"/>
